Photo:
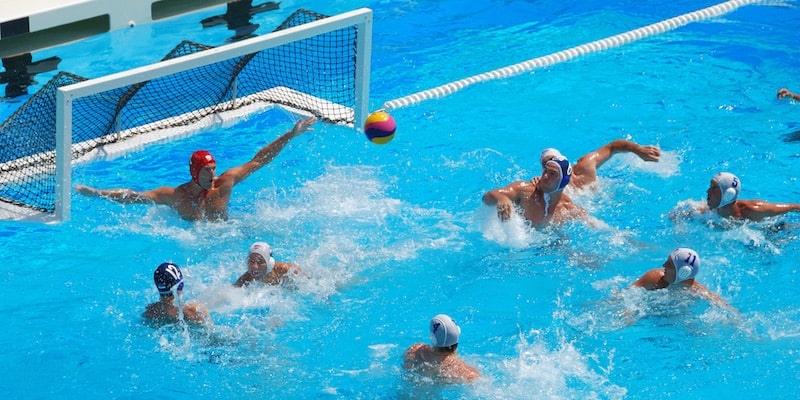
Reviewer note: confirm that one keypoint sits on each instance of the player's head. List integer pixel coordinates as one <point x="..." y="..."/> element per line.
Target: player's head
<point x="727" y="186"/>
<point x="444" y="332"/>
<point x="166" y="277"/>
<point x="557" y="169"/>
<point x="259" y="259"/>
<point x="685" y="262"/>
<point x="199" y="160"/>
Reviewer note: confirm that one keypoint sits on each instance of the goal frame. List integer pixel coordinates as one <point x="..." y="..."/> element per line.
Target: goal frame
<point x="65" y="96"/>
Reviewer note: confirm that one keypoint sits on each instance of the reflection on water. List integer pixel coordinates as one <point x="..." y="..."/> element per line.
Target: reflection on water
<point x="238" y="16"/>
<point x="20" y="71"/>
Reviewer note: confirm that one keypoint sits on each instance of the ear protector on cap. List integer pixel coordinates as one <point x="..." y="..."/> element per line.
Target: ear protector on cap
<point x="683" y="273"/>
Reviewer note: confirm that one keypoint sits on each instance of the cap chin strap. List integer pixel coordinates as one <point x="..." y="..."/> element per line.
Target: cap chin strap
<point x="546" y="197"/>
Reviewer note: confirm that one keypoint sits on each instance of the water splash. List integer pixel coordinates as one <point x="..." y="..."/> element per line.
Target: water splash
<point x="541" y="370"/>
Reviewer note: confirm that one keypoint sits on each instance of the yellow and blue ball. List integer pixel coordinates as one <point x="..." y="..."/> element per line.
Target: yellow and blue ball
<point x="380" y="127"/>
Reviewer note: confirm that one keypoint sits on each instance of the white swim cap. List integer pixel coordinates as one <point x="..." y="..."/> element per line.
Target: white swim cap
<point x="687" y="264"/>
<point x="263" y="250"/>
<point x="444" y="331"/>
<point x="729" y="187"/>
<point x="547" y="154"/>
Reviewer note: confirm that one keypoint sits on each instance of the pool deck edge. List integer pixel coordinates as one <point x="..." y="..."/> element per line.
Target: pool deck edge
<point x="36" y="24"/>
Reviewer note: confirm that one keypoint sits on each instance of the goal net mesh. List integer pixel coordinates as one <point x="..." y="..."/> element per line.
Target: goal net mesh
<point x="315" y="75"/>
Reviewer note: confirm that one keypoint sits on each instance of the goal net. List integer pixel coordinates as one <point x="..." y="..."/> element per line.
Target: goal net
<point x="311" y="64"/>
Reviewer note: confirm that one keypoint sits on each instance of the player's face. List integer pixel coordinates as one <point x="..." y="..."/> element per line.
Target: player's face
<point x="669" y="271"/>
<point x="551" y="176"/>
<point x="256" y="264"/>
<point x="713" y="195"/>
<point x="206" y="175"/>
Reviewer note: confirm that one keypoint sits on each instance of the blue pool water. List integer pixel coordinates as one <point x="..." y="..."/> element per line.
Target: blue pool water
<point x="392" y="235"/>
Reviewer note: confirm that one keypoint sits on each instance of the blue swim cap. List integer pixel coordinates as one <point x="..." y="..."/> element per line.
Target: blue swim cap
<point x="166" y="276"/>
<point x="564" y="168"/>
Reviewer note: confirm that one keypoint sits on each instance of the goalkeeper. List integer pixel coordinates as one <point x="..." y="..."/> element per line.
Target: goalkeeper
<point x="206" y="195"/>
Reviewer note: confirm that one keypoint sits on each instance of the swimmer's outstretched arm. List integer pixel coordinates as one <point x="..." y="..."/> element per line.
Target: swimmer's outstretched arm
<point x="267" y="153"/>
<point x="757" y="209"/>
<point x="783" y="92"/>
<point x="587" y="165"/>
<point x="646" y="153"/>
<point x="163" y="195"/>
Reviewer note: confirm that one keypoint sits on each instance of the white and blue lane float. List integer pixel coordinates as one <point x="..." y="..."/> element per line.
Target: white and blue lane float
<point x="571" y="53"/>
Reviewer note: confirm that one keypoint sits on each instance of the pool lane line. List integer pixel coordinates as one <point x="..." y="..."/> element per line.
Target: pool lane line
<point x="568" y="54"/>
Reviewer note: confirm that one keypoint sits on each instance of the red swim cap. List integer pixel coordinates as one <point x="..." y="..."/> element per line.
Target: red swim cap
<point x="200" y="159"/>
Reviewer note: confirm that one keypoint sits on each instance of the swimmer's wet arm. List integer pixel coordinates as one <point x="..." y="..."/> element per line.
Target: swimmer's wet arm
<point x="297" y="271"/>
<point x="126" y="196"/>
<point x="502" y="199"/>
<point x="712" y="297"/>
<point x="243" y="279"/>
<point x="491" y="197"/>
<point x="781" y="208"/>
<point x="270" y="151"/>
<point x="410" y="355"/>
<point x="650" y="279"/>
<point x="680" y="213"/>
<point x="646" y="153"/>
<point x="508" y="193"/>
<point x="757" y="209"/>
<point x="194" y="312"/>
<point x="783" y="92"/>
